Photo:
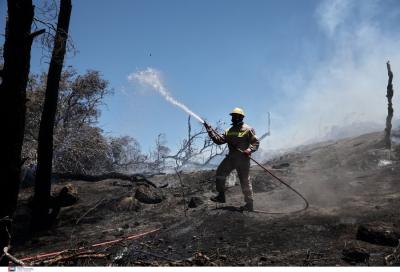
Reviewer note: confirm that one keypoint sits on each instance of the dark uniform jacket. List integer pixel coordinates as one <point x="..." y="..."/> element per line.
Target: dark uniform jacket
<point x="241" y="136"/>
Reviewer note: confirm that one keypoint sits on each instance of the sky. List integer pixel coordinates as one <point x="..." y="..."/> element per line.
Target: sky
<point x="309" y="63"/>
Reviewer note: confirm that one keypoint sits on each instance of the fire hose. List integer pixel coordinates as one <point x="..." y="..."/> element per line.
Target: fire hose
<point x="20" y="261"/>
<point x="269" y="172"/>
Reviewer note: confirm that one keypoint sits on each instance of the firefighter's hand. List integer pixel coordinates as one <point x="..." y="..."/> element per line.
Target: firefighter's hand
<point x="246" y="152"/>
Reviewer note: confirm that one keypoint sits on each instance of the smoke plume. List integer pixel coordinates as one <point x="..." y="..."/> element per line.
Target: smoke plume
<point x="349" y="84"/>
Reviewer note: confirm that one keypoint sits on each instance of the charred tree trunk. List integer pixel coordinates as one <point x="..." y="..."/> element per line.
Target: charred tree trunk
<point x="40" y="213"/>
<point x="389" y="96"/>
<point x="57" y="207"/>
<point x="17" y="57"/>
<point x="189" y="152"/>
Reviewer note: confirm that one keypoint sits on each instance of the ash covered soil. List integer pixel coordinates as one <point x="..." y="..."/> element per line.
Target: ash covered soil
<point x="348" y="183"/>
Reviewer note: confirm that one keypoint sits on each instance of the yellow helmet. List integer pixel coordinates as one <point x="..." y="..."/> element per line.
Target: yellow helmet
<point x="238" y="111"/>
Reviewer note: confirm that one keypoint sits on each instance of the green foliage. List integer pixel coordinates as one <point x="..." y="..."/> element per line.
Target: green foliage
<point x="78" y="110"/>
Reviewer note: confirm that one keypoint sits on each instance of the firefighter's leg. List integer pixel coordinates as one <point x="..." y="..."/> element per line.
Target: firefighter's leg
<point x="223" y="171"/>
<point x="242" y="166"/>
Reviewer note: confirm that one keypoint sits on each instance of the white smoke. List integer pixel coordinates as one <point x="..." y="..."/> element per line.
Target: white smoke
<point x="358" y="38"/>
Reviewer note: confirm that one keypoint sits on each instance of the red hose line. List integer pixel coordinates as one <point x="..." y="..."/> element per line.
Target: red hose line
<point x="269" y="172"/>
<point x="272" y="174"/>
<point x="95" y="245"/>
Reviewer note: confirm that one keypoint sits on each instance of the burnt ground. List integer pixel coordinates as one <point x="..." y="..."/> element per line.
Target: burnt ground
<point x="348" y="183"/>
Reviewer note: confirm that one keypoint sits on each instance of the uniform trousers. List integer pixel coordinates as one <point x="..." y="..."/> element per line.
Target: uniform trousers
<point x="242" y="166"/>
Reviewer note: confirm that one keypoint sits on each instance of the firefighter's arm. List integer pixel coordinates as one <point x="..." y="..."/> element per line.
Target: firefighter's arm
<point x="217" y="139"/>
<point x="254" y="142"/>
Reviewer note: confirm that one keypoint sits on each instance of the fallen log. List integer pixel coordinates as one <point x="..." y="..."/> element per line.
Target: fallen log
<point x="111" y="175"/>
<point x="12" y="258"/>
<point x="80" y="255"/>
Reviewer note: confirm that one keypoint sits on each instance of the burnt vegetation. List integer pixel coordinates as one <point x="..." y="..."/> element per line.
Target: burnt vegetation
<point x="70" y="188"/>
<point x="168" y="220"/>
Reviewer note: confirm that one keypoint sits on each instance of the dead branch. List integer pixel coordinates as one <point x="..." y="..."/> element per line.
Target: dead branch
<point x="36" y="33"/>
<point x="49" y="25"/>
<point x="9" y="239"/>
<point x="268" y="133"/>
<point x="308" y="259"/>
<point x="48" y="14"/>
<point x="83" y="216"/>
<point x="389" y="117"/>
<point x="12" y="258"/>
<point x="49" y="10"/>
<point x="151" y="254"/>
<point x="79" y="255"/>
<point x="187" y="150"/>
<point x="183" y="191"/>
<point x="393" y="259"/>
<point x="113" y="175"/>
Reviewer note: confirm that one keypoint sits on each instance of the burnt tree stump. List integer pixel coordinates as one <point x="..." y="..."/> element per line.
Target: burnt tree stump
<point x="379" y="233"/>
<point x="389" y="117"/>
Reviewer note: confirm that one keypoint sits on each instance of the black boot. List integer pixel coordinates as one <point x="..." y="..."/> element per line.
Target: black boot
<point x="219" y="198"/>
<point x="248" y="207"/>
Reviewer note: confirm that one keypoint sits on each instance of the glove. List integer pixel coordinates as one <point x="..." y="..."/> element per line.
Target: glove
<point x="207" y="126"/>
<point x="246" y="152"/>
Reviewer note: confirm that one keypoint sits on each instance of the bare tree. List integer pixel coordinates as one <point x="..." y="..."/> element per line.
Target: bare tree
<point x="189" y="153"/>
<point x="189" y="150"/>
<point x="269" y="133"/>
<point x="46" y="16"/>
<point x="389" y="117"/>
<point x="85" y="151"/>
<point x="14" y="78"/>
<point x="41" y="201"/>
<point x="178" y="173"/>
<point x="78" y="106"/>
<point x="125" y="154"/>
<point x="157" y="156"/>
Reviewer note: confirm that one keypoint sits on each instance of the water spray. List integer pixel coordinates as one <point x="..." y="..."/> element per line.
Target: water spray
<point x="152" y="78"/>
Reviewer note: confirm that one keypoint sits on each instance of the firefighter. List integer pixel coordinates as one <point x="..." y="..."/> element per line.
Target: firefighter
<point x="239" y="136"/>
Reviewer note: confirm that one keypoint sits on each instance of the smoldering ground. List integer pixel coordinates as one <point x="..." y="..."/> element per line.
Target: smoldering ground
<point x="344" y="181"/>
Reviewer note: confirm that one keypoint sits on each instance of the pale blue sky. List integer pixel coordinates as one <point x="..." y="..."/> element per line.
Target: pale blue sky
<point x="305" y="61"/>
